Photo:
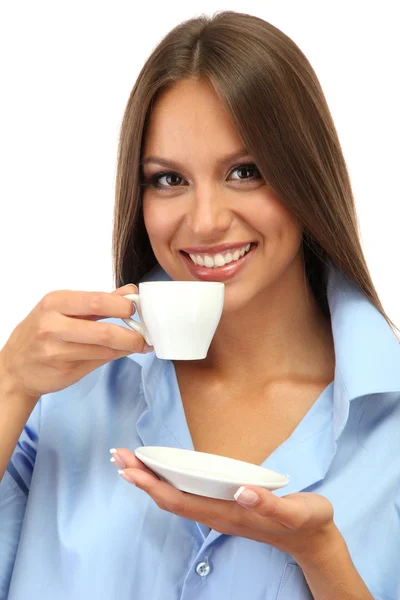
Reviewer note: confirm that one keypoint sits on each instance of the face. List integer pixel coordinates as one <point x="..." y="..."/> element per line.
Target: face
<point x="210" y="217"/>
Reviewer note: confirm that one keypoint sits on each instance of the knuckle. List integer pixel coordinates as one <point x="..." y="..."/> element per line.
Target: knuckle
<point x="104" y="335"/>
<point x="45" y="328"/>
<point x="270" y="509"/>
<point x="95" y="303"/>
<point x="53" y="353"/>
<point x="49" y="351"/>
<point x="47" y="302"/>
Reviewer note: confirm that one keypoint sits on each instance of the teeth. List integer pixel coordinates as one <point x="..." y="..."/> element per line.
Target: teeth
<point x="197" y="259"/>
<point x="236" y="255"/>
<point x="219" y="260"/>
<point x="228" y="258"/>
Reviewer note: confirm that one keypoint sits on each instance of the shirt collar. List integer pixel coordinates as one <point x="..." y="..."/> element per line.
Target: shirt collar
<point x="367" y="352"/>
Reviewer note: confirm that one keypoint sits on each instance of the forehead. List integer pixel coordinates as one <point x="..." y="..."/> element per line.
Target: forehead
<point x="190" y="117"/>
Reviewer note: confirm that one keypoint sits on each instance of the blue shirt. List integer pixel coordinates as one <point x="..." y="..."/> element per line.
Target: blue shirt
<point x="71" y="528"/>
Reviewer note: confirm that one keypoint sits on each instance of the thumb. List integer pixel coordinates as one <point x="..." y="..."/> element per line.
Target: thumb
<point x="129" y="288"/>
<point x="266" y="504"/>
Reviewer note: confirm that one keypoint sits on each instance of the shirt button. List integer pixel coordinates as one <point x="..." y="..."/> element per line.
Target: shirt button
<point x="203" y="569"/>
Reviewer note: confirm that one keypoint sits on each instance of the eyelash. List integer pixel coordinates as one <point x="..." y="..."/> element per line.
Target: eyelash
<point x="153" y="180"/>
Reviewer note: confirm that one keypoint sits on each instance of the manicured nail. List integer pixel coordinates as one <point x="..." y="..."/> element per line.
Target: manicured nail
<point x="117" y="459"/>
<point x="246" y="497"/>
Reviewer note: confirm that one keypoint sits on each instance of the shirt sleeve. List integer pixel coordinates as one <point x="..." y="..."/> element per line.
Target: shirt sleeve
<point x="14" y="490"/>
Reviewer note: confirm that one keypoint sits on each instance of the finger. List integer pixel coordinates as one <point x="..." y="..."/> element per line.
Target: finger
<point x="129" y="288"/>
<point x="100" y="334"/>
<point x="288" y="511"/>
<point x="124" y="458"/>
<point x="192" y="506"/>
<point x="167" y="497"/>
<point x="73" y="352"/>
<point x="131" y="461"/>
<point x="78" y="304"/>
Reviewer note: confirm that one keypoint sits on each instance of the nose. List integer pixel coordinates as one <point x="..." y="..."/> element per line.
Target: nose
<point x="209" y="216"/>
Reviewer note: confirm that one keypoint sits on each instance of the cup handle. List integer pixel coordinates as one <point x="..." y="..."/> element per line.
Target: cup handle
<point x="133" y="324"/>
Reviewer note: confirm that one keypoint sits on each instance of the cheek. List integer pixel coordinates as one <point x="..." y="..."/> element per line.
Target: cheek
<point x="287" y="227"/>
<point x="286" y="235"/>
<point x="277" y="224"/>
<point x="158" y="222"/>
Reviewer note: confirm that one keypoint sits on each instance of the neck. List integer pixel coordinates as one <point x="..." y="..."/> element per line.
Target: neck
<point x="281" y="335"/>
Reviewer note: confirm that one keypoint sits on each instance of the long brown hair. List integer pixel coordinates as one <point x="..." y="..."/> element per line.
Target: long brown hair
<point x="276" y="102"/>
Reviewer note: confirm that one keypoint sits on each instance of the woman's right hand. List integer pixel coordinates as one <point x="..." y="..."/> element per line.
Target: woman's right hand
<point x="59" y="342"/>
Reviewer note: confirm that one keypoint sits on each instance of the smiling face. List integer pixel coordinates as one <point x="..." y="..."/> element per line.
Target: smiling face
<point x="213" y="218"/>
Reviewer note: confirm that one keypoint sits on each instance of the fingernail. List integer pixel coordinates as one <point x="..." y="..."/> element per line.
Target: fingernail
<point x="246" y="497"/>
<point x="147" y="349"/>
<point x="117" y="459"/>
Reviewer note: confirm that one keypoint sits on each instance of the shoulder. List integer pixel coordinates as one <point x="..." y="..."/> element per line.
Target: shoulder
<point x="106" y="380"/>
<point x="101" y="404"/>
<point x="108" y="383"/>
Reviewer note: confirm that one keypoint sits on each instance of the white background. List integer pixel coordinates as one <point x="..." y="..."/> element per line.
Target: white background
<point x="67" y="69"/>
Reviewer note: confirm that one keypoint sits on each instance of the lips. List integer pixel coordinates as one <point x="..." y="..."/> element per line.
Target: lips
<point x="220" y="259"/>
<point x="216" y="273"/>
<point x="215" y="249"/>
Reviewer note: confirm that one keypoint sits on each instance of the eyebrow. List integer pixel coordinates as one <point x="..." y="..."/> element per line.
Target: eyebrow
<point x="177" y="165"/>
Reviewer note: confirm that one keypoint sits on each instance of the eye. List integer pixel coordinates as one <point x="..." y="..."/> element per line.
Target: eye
<point x="171" y="175"/>
<point x="247" y="167"/>
<point x="173" y="179"/>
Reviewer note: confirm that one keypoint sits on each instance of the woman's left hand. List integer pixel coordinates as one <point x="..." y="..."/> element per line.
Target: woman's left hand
<point x="300" y="524"/>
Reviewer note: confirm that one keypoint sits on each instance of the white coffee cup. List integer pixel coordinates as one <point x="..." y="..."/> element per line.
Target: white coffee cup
<point x="178" y="318"/>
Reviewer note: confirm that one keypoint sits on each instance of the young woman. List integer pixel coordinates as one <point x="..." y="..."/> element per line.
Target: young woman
<point x="230" y="169"/>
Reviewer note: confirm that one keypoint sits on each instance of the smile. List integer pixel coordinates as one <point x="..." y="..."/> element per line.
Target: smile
<point x="219" y="266"/>
<point x="212" y="261"/>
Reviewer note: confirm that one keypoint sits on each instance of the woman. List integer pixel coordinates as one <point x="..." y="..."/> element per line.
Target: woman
<point x="230" y="169"/>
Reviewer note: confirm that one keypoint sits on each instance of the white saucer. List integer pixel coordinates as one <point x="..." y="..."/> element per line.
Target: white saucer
<point x="206" y="474"/>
